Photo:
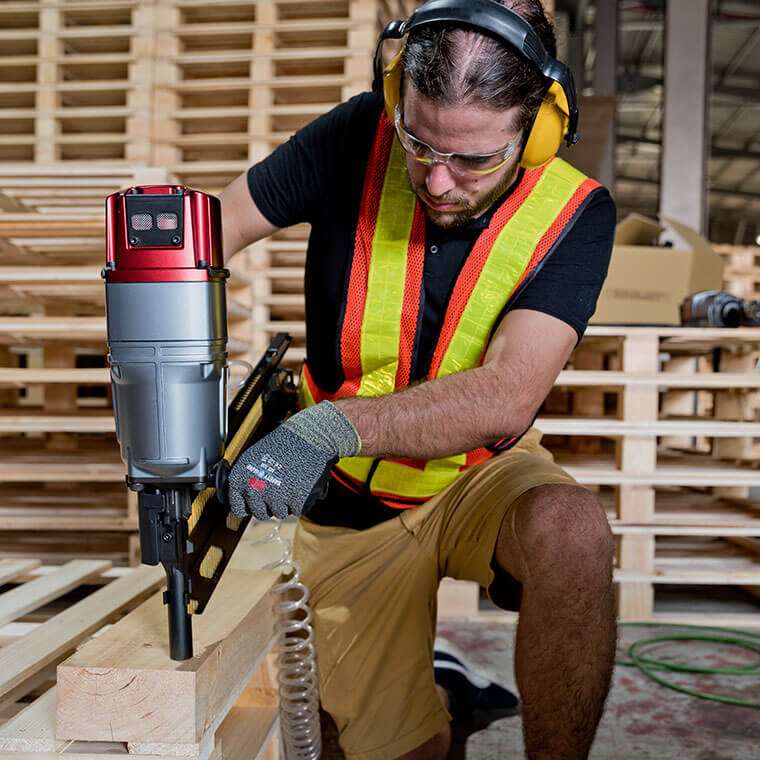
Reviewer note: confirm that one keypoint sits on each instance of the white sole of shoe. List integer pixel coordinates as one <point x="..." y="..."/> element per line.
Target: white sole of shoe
<point x="470" y="670"/>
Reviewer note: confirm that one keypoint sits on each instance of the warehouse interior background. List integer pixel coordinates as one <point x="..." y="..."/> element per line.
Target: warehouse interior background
<point x="660" y="420"/>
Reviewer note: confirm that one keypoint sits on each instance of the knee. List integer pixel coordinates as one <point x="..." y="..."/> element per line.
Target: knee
<point x="565" y="538"/>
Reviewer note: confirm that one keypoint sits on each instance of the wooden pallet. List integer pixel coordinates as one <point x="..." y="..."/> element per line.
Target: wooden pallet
<point x="56" y="423"/>
<point x="741" y="274"/>
<point x="681" y="513"/>
<point x="203" y="87"/>
<point x="220" y="703"/>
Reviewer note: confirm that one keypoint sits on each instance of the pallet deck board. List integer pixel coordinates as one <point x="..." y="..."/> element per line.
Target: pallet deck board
<point x="63" y="632"/>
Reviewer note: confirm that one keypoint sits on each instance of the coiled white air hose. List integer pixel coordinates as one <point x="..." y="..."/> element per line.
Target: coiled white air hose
<point x="298" y="677"/>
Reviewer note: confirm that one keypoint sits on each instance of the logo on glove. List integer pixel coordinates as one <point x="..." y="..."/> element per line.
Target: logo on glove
<point x="264" y="473"/>
<point x="256" y="484"/>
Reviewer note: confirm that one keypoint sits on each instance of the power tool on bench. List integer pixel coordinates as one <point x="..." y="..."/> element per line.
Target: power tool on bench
<point x="167" y="337"/>
<point x="716" y="308"/>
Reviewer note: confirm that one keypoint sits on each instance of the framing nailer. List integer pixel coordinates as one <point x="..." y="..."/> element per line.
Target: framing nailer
<point x="167" y="337"/>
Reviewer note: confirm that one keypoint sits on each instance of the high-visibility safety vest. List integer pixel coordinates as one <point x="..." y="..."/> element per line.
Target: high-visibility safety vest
<point x="384" y="293"/>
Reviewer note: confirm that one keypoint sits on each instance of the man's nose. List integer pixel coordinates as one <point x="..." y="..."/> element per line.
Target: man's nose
<point x="439" y="179"/>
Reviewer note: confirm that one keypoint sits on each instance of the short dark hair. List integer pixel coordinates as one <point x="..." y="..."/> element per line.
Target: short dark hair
<point x="453" y="65"/>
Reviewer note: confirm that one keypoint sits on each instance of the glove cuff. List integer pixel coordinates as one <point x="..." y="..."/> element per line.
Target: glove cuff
<point x="324" y="426"/>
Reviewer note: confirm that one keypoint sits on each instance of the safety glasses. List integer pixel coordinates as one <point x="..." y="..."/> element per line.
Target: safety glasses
<point x="463" y="164"/>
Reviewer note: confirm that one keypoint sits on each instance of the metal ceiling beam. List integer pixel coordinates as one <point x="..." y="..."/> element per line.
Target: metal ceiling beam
<point x="716" y="151"/>
<point x="727" y="191"/>
<point x="738" y="57"/>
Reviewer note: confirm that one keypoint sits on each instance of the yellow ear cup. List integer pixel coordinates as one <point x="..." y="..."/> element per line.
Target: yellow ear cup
<point x="548" y="130"/>
<point x="392" y="86"/>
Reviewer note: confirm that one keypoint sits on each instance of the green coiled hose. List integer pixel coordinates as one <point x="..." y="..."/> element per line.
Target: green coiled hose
<point x="732" y="636"/>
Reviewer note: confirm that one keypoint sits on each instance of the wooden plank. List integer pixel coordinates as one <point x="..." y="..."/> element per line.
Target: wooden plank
<point x="62" y="468"/>
<point x="613" y="427"/>
<point x="245" y="733"/>
<point x="612" y="379"/>
<point x="62" y="328"/>
<point x="31" y="736"/>
<point x="665" y="476"/>
<point x="30" y="596"/>
<point x="684" y="576"/>
<point x="244" y="730"/>
<point x="24" y="376"/>
<point x="710" y="334"/>
<point x="79" y="422"/>
<point x="12" y="569"/>
<point x="101" y="685"/>
<point x="64" y="631"/>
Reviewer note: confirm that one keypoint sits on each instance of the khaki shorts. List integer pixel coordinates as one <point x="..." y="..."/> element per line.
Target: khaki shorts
<point x="373" y="596"/>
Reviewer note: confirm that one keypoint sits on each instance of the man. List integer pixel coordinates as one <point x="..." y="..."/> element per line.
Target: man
<point x="445" y="287"/>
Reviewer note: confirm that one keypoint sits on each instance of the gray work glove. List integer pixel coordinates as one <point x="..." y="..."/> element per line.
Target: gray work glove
<point x="287" y="471"/>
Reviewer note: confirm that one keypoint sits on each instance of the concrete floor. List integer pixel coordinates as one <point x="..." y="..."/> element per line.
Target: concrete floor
<point x="642" y="720"/>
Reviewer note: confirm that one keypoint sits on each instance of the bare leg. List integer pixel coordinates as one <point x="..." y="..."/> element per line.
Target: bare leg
<point x="556" y="542"/>
<point x="437" y="747"/>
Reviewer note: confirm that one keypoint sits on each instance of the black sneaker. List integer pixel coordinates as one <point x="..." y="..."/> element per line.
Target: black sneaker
<point x="470" y="690"/>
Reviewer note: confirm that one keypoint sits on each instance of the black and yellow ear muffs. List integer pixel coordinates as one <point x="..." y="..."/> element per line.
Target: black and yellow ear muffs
<point x="555" y="120"/>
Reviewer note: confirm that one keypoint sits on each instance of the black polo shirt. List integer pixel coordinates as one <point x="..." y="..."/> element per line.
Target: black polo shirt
<point x="317" y="177"/>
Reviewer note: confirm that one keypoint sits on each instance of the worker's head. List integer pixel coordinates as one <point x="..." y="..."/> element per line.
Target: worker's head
<point x="470" y="94"/>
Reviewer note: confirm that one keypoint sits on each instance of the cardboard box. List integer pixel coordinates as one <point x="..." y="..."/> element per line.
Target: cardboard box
<point x="654" y="267"/>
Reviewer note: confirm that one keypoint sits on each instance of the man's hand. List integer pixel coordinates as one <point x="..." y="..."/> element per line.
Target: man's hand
<point x="286" y="471"/>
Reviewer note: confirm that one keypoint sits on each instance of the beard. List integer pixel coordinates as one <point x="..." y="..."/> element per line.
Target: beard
<point x="468" y="207"/>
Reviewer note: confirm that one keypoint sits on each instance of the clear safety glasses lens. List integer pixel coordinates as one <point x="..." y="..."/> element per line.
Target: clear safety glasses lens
<point x="476" y="164"/>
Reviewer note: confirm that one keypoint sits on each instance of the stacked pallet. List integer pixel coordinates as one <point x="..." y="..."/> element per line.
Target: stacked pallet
<point x="63" y="489"/>
<point x="741" y="275"/>
<point x="55" y="701"/>
<point x="73" y="84"/>
<point x="236" y="79"/>
<point x="661" y="422"/>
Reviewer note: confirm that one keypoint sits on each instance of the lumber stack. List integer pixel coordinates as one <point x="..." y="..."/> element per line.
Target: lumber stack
<point x="201" y="88"/>
<point x="222" y="703"/>
<point x="63" y="491"/>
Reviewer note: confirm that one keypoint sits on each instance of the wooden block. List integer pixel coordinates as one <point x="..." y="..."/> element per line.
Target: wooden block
<point x="248" y="731"/>
<point x="123" y="686"/>
<point x="635" y="601"/>
<point x="457" y="599"/>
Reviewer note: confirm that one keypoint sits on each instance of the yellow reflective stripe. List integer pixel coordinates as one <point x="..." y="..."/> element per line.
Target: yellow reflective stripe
<point x="303" y="394"/>
<point x="509" y="258"/>
<point x="381" y="326"/>
<point x="357" y="467"/>
<point x="395" y="478"/>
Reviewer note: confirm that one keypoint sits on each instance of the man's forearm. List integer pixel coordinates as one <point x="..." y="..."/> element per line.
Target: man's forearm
<point x="441" y="417"/>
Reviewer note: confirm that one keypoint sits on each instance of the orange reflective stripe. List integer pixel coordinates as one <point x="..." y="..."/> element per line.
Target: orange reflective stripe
<point x="476" y="456"/>
<point x="350" y="342"/>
